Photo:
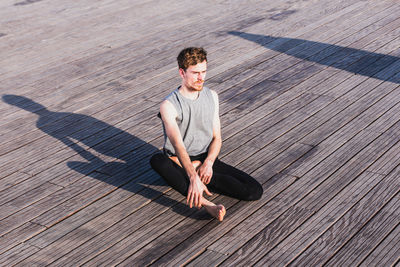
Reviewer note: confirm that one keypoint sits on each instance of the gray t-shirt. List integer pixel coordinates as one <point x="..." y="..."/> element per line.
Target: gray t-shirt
<point x="195" y="121"/>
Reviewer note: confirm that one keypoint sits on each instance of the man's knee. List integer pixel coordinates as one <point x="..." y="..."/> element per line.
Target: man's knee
<point x="255" y="193"/>
<point x="158" y="161"/>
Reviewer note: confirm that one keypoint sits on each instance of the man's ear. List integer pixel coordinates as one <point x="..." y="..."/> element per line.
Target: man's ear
<point x="182" y="72"/>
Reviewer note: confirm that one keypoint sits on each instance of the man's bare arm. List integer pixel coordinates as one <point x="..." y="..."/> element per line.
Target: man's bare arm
<point x="168" y="115"/>
<point x="205" y="170"/>
<point x="196" y="188"/>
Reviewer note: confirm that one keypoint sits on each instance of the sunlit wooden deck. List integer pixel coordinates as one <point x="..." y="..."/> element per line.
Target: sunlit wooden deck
<point x="310" y="106"/>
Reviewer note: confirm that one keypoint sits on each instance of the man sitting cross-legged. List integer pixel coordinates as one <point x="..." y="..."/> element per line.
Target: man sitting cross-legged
<point x="189" y="162"/>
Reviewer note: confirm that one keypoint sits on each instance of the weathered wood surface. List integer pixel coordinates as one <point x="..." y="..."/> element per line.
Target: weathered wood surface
<point x="309" y="101"/>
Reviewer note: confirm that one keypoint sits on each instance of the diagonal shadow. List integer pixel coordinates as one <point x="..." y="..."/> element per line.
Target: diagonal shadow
<point x="361" y="62"/>
<point x="90" y="137"/>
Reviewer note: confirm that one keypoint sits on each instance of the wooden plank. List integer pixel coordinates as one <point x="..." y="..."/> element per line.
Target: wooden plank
<point x="364" y="241"/>
<point x="387" y="252"/>
<point x="273" y="104"/>
<point x="49" y="121"/>
<point x="13" y="179"/>
<point x="208" y="257"/>
<point x="16" y="254"/>
<point x="88" y="13"/>
<point x="388" y="118"/>
<point x="95" y="157"/>
<point x="363" y="160"/>
<point x="73" y="8"/>
<point x="359" y="216"/>
<point x="116" y="252"/>
<point x="14" y="202"/>
<point x="19" y="235"/>
<point x="388" y="162"/>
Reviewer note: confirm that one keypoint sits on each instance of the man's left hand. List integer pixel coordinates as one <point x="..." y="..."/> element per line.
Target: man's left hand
<point x="205" y="171"/>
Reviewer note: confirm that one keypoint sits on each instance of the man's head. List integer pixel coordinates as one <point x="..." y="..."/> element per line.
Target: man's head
<point x="192" y="62"/>
<point x="191" y="56"/>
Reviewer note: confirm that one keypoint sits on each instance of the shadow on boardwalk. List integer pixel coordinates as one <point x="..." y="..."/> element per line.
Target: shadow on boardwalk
<point x="91" y="138"/>
<point x="360" y="62"/>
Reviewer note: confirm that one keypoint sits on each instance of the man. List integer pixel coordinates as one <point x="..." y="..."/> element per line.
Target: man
<point x="192" y="132"/>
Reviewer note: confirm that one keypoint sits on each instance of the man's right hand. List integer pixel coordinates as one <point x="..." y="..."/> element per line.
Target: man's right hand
<point x="195" y="191"/>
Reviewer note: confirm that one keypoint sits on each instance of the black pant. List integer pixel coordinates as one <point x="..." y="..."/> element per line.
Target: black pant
<point x="226" y="180"/>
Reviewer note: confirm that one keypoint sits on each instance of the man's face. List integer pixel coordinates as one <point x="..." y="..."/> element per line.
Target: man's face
<point x="194" y="76"/>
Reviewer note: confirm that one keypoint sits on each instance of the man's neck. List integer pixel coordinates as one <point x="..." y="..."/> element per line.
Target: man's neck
<point x="189" y="93"/>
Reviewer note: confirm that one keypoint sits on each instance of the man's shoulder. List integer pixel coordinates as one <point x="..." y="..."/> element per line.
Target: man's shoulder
<point x="167" y="110"/>
<point x="209" y="92"/>
<point x="214" y="94"/>
<point x="166" y="104"/>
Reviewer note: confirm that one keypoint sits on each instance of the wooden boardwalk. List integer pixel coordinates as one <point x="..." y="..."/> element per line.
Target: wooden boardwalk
<point x="310" y="106"/>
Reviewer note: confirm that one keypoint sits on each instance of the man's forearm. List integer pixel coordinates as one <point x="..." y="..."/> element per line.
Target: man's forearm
<point x="185" y="161"/>
<point x="213" y="150"/>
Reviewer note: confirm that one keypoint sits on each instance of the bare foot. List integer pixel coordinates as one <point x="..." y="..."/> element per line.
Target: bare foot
<point x="196" y="163"/>
<point x="217" y="211"/>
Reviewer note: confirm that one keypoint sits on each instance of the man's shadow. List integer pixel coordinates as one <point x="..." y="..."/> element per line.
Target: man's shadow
<point x="90" y="137"/>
